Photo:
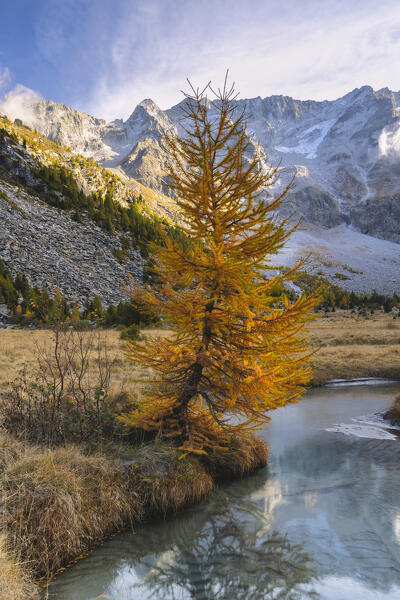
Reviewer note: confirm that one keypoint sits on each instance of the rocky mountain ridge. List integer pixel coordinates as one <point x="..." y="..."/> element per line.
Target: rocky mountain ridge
<point x="57" y="248"/>
<point x="344" y="154"/>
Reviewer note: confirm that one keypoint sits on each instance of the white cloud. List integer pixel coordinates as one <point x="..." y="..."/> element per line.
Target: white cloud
<point x="107" y="57"/>
<point x="18" y="104"/>
<point x="316" y="52"/>
<point x="5" y="77"/>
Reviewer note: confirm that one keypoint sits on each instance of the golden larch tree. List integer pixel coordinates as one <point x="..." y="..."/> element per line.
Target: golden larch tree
<point x="236" y="349"/>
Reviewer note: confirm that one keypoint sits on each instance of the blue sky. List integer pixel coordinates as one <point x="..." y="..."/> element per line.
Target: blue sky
<point x="105" y="56"/>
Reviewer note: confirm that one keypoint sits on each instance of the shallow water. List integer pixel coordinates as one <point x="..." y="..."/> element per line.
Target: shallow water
<point x="321" y="521"/>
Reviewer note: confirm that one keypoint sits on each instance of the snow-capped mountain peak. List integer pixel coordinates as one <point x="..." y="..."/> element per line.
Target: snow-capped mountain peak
<point x="345" y="153"/>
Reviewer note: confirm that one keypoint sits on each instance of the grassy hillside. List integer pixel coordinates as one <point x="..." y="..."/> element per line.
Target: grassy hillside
<point x="82" y="187"/>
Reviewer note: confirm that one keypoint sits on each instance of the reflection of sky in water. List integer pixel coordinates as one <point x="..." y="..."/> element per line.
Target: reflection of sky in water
<point x="347" y="588"/>
<point x="337" y="495"/>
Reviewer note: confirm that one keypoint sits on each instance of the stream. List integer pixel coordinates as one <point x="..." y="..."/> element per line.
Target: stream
<point x="321" y="521"/>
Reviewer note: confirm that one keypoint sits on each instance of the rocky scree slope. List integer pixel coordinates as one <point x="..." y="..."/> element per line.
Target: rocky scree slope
<point x="344" y="154"/>
<point x="61" y="248"/>
<point x="54" y="251"/>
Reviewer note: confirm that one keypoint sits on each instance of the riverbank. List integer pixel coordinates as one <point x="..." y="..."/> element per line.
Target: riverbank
<point x="59" y="504"/>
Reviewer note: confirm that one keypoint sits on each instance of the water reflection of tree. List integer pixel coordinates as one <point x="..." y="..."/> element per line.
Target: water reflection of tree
<point x="233" y="556"/>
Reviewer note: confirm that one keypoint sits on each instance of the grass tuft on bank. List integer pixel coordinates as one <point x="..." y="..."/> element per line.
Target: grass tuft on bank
<point x="393" y="414"/>
<point x="244" y="455"/>
<point x="57" y="504"/>
<point x="15" y="583"/>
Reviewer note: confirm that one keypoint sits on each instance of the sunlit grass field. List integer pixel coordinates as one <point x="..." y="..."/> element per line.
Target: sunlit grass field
<point x="346" y="345"/>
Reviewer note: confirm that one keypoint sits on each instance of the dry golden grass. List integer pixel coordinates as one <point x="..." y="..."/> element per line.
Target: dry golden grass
<point x="343" y="328"/>
<point x="348" y="362"/>
<point x="349" y="346"/>
<point x="10" y="450"/>
<point x="57" y="504"/>
<point x="18" y="348"/>
<point x="14" y="583"/>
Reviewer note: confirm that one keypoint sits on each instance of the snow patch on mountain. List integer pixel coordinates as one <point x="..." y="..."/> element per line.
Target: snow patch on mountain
<point x="309" y="140"/>
<point x="344" y="154"/>
<point x="355" y="261"/>
<point x="389" y="142"/>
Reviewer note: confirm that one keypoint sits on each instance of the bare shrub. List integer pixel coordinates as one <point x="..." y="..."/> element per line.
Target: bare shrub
<point x="67" y="397"/>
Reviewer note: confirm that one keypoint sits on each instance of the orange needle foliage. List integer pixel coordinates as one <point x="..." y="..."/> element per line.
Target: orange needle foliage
<point x="236" y="351"/>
